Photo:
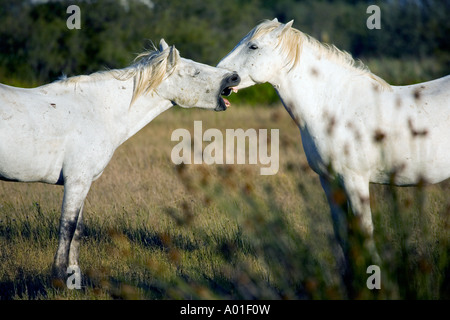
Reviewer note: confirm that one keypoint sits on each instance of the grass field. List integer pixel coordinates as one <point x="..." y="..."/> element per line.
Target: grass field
<point x="154" y="230"/>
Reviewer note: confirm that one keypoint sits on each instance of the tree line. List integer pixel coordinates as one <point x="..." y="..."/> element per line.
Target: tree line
<point x="37" y="47"/>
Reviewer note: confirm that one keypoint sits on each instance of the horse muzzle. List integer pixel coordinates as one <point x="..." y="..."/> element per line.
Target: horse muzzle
<point x="226" y="88"/>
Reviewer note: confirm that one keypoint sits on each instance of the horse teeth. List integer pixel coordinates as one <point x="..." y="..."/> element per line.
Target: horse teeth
<point x="235" y="89"/>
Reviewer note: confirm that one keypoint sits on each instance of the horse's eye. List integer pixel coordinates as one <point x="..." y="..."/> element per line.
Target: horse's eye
<point x="253" y="47"/>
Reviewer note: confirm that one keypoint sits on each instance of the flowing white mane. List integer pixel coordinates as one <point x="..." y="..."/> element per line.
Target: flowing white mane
<point x="149" y="70"/>
<point x="291" y="44"/>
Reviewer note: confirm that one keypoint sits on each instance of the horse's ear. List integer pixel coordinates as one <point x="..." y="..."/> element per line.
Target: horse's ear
<point x="173" y="58"/>
<point x="275" y="20"/>
<point x="163" y="45"/>
<point x="282" y="28"/>
<point x="289" y="24"/>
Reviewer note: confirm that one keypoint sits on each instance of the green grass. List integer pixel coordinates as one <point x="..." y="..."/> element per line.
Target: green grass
<point x="159" y="231"/>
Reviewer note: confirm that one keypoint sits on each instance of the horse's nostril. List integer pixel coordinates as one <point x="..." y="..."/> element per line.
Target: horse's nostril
<point x="235" y="78"/>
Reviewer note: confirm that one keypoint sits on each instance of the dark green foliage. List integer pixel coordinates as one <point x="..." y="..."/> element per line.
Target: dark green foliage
<point x="36" y="46"/>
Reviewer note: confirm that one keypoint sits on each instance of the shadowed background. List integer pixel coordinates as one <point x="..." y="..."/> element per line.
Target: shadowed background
<point x="36" y="46"/>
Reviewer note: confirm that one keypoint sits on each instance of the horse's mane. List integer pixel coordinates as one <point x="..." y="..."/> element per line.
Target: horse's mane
<point x="149" y="70"/>
<point x="291" y="44"/>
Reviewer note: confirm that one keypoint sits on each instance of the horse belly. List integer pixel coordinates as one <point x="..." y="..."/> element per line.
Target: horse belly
<point x="31" y="160"/>
<point x="416" y="159"/>
<point x="31" y="137"/>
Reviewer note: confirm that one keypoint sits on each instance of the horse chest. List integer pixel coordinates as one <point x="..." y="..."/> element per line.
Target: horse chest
<point x="317" y="156"/>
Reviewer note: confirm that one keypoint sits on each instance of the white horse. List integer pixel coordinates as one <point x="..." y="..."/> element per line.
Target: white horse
<point x="356" y="129"/>
<point x="66" y="132"/>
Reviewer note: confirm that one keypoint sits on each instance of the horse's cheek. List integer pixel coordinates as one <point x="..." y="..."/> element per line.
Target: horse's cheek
<point x="189" y="100"/>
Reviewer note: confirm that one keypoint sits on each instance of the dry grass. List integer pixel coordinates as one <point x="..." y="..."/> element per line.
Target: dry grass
<point x="156" y="230"/>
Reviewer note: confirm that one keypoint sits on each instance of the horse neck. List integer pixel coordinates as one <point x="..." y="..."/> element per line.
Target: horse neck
<point x="144" y="109"/>
<point x="317" y="85"/>
<point x="113" y="97"/>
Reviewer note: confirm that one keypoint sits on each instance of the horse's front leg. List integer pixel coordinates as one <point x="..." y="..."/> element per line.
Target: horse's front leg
<point x="74" y="195"/>
<point x="349" y="202"/>
<point x="357" y="190"/>
<point x="337" y="201"/>
<point x="74" y="252"/>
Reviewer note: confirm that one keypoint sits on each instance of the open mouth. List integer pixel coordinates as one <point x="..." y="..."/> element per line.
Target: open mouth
<point x="227" y="92"/>
<point x="229" y="85"/>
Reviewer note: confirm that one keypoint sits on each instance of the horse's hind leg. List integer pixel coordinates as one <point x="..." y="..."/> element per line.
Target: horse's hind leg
<point x="74" y="195"/>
